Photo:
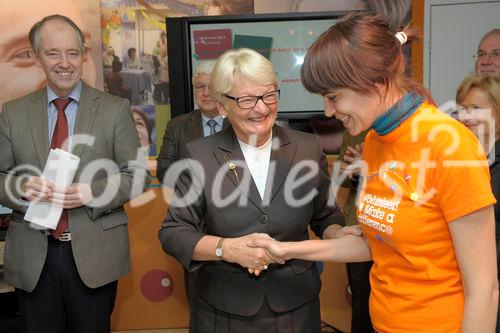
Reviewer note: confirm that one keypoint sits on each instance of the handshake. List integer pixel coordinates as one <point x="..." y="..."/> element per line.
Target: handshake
<point x="257" y="251"/>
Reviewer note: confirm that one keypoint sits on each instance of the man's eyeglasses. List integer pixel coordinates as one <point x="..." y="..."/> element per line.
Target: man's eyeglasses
<point x="201" y="87"/>
<point x="248" y="102"/>
<point x="480" y="55"/>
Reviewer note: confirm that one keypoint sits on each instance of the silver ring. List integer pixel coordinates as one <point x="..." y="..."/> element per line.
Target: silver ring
<point x="265" y="267"/>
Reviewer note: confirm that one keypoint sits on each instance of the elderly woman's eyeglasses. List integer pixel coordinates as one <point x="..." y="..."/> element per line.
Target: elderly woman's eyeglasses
<point x="480" y="55"/>
<point x="248" y="102"/>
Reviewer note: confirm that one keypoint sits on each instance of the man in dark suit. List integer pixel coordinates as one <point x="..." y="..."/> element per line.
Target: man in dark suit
<point x="193" y="125"/>
<point x="358" y="273"/>
<point x="66" y="278"/>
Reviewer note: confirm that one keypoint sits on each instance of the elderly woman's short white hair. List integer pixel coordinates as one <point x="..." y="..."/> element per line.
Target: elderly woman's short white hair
<point x="205" y="67"/>
<point x="246" y="63"/>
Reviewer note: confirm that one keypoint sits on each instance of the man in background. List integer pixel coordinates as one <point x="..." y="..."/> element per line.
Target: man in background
<point x="193" y="125"/>
<point x="358" y="273"/>
<point x="487" y="56"/>
<point x="66" y="278"/>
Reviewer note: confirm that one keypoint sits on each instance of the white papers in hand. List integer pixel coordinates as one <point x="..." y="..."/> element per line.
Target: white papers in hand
<point x="60" y="168"/>
<point x="5" y="210"/>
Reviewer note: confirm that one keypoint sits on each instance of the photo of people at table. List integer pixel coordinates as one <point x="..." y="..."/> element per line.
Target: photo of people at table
<point x="134" y="49"/>
<point x="137" y="74"/>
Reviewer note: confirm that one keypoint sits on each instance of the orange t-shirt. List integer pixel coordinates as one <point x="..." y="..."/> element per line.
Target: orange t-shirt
<point x="424" y="174"/>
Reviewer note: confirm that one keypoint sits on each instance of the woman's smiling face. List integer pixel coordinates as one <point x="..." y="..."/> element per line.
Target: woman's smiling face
<point x="253" y="125"/>
<point x="356" y="111"/>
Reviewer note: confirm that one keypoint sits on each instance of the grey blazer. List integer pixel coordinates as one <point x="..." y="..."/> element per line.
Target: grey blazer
<point x="228" y="287"/>
<point x="180" y="130"/>
<point x="99" y="234"/>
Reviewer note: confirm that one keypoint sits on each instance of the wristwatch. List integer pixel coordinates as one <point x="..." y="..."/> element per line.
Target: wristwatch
<point x="218" y="249"/>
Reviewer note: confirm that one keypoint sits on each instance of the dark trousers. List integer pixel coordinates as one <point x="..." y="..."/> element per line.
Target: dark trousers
<point x="497" y="330"/>
<point x="359" y="281"/>
<point x="160" y="93"/>
<point x="304" y="319"/>
<point x="190" y="288"/>
<point x="61" y="302"/>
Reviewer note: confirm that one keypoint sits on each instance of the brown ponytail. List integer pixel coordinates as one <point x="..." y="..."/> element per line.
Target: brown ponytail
<point x="359" y="53"/>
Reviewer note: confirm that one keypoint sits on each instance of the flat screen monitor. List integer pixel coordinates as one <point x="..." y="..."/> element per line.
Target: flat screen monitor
<point x="282" y="38"/>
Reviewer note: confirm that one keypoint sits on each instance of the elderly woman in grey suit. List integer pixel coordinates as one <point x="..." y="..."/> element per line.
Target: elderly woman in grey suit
<point x="253" y="179"/>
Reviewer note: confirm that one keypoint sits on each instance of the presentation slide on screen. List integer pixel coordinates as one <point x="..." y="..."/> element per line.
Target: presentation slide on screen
<point x="285" y="43"/>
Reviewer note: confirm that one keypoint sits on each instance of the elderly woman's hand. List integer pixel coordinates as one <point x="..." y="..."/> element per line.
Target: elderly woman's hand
<point x="274" y="249"/>
<point x="237" y="251"/>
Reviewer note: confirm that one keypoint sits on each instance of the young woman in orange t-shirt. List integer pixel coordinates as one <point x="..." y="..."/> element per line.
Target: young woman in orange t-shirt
<point x="426" y="207"/>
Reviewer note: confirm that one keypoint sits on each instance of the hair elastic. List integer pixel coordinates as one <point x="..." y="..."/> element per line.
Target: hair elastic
<point x="402" y="37"/>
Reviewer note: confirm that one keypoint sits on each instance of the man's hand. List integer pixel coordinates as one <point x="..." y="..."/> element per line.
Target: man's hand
<point x="4" y="222"/>
<point x="352" y="163"/>
<point x="337" y="231"/>
<point x="38" y="189"/>
<point x="76" y="195"/>
<point x="354" y="230"/>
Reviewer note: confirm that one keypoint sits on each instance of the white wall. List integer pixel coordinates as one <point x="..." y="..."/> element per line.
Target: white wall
<point x="453" y="29"/>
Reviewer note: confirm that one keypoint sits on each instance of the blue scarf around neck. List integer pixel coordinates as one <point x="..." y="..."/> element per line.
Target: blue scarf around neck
<point x="398" y="113"/>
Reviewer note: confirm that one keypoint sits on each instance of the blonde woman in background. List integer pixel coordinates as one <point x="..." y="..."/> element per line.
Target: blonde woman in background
<point x="478" y="99"/>
<point x="478" y="104"/>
